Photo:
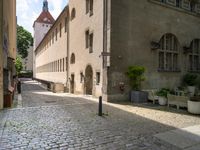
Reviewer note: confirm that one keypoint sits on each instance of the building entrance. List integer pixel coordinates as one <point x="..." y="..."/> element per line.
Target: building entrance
<point x="88" y="80"/>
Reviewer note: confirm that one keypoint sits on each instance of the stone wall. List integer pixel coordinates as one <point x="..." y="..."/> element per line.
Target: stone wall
<point x="135" y="24"/>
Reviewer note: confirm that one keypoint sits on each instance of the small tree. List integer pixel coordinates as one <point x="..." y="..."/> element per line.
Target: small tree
<point x="136" y="76"/>
<point x="18" y="65"/>
<point x="24" y="41"/>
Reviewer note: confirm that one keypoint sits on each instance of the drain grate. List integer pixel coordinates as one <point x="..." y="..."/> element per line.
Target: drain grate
<point x="50" y="101"/>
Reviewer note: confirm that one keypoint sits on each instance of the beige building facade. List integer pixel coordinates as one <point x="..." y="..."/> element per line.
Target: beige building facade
<point x="7" y="50"/>
<point x="105" y="37"/>
<point x="28" y="61"/>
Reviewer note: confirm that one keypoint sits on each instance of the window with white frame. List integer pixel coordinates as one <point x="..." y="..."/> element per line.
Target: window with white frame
<point x="168" y="53"/>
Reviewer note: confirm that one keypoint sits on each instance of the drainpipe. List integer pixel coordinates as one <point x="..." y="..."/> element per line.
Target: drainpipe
<point x="105" y="75"/>
<point x="68" y="36"/>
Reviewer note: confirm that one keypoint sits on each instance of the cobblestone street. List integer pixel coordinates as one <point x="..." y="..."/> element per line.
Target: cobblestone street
<point x="62" y="121"/>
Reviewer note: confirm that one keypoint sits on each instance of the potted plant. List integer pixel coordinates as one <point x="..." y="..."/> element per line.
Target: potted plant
<point x="162" y="96"/>
<point x="194" y="105"/>
<point x="190" y="80"/>
<point x="136" y="76"/>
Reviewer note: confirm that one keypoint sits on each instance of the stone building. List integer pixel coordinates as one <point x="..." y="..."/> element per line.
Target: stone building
<point x="105" y="37"/>
<point x="7" y="50"/>
<point x="41" y="26"/>
<point x="28" y="61"/>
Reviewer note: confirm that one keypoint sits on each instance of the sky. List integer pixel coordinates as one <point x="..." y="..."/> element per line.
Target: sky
<point x="29" y="10"/>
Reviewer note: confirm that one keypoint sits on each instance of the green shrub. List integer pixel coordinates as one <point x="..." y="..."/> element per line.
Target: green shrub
<point x="136" y="76"/>
<point x="190" y="79"/>
<point x="163" y="92"/>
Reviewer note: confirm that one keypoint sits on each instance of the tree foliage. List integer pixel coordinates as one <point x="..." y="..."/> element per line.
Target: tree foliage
<point x="24" y="41"/>
<point x="18" y="64"/>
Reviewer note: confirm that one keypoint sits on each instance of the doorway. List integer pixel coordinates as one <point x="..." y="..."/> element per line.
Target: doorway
<point x="88" y="80"/>
<point x="72" y="83"/>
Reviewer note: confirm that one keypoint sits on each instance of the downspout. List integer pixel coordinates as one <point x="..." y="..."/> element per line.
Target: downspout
<point x="104" y="65"/>
<point x="68" y="36"/>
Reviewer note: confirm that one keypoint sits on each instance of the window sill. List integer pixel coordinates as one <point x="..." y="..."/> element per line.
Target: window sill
<point x="194" y="71"/>
<point x="164" y="70"/>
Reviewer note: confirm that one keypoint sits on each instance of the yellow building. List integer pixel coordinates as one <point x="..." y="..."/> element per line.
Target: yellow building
<point x="7" y="50"/>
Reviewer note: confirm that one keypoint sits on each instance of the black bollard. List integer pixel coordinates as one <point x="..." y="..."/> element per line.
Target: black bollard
<point x="19" y="87"/>
<point x="100" y="106"/>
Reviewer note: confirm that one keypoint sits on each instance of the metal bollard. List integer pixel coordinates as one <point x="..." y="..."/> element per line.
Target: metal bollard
<point x="100" y="106"/>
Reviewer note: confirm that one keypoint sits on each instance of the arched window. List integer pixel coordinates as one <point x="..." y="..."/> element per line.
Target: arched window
<point x="194" y="56"/>
<point x="168" y="53"/>
<point x="72" y="60"/>
<point x="73" y="14"/>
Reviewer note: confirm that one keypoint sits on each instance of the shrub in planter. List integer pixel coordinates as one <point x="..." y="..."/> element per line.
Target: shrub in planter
<point x="136" y="76"/>
<point x="190" y="80"/>
<point x="162" y="93"/>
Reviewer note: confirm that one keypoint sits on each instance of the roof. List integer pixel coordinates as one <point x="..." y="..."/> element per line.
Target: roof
<point x="45" y="17"/>
<point x="65" y="9"/>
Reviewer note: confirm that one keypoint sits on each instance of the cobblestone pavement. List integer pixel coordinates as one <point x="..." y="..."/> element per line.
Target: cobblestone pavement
<point x="63" y="121"/>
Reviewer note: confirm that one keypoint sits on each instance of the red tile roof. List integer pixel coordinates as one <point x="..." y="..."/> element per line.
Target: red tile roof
<point x="43" y="15"/>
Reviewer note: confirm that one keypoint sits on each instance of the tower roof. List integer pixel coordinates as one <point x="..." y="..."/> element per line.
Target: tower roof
<point x="45" y="16"/>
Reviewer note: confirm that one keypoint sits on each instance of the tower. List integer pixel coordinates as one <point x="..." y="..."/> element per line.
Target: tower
<point x="45" y="6"/>
<point x="41" y="26"/>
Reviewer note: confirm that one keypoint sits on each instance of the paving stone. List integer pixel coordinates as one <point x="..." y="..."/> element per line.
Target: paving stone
<point x="71" y="123"/>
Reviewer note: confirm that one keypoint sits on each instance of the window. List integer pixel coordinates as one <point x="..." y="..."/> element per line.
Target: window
<point x="168" y="53"/>
<point x="73" y="14"/>
<point x="89" y="7"/>
<point x="66" y="63"/>
<point x="56" y="34"/>
<point x="65" y="24"/>
<point x="87" y="39"/>
<point x="194" y="56"/>
<point x="52" y="37"/>
<point x="63" y="64"/>
<point x="178" y="3"/>
<point x="91" y="43"/>
<point x="81" y="77"/>
<point x="72" y="60"/>
<point x="98" y="78"/>
<point x="60" y="29"/>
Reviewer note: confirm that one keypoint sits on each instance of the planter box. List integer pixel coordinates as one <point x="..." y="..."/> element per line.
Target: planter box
<point x="7" y="103"/>
<point x="138" y="96"/>
<point x="194" y="107"/>
<point x="58" y="88"/>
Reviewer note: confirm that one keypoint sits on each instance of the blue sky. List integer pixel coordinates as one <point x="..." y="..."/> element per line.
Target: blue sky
<point x="29" y="10"/>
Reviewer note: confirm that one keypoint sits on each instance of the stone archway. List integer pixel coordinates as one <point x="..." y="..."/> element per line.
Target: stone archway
<point x="88" y="80"/>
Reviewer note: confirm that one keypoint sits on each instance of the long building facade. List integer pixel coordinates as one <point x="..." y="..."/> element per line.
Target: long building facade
<point x="7" y="50"/>
<point x="104" y="37"/>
